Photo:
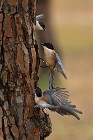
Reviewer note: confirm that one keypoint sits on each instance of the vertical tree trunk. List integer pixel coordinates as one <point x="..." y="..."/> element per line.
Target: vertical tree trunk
<point x="19" y="64"/>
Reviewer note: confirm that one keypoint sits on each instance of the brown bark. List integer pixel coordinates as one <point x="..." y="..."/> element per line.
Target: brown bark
<point x="19" y="65"/>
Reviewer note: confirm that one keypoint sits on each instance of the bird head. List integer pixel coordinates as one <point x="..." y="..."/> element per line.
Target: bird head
<point x="38" y="92"/>
<point x="48" y="45"/>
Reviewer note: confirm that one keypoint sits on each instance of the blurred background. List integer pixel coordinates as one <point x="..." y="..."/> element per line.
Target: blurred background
<point x="69" y="26"/>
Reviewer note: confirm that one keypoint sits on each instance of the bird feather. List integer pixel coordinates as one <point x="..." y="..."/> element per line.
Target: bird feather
<point x="38" y="17"/>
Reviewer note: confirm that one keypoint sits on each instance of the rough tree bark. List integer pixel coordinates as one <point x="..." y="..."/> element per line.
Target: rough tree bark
<point x="19" y="65"/>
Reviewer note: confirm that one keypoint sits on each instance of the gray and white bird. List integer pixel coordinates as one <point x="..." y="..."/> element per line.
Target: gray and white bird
<point x="39" y="25"/>
<point x="56" y="100"/>
<point x="53" y="62"/>
<point x="52" y="59"/>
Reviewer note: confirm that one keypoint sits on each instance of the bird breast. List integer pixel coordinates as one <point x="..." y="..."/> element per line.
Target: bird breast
<point x="49" y="56"/>
<point x="38" y="27"/>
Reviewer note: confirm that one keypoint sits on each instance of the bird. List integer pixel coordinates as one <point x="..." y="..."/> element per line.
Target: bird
<point x="53" y="61"/>
<point x="56" y="100"/>
<point x="39" y="25"/>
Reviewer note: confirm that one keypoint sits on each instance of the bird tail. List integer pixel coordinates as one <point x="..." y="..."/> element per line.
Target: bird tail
<point x="68" y="111"/>
<point x="51" y="79"/>
<point x="63" y="73"/>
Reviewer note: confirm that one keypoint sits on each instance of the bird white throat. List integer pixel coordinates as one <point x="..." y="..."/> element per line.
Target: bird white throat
<point x="38" y="27"/>
<point x="49" y="56"/>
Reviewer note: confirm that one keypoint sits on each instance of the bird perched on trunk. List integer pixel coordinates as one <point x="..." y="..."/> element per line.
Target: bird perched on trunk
<point x="53" y="62"/>
<point x="56" y="100"/>
<point x="39" y="25"/>
<point x="52" y="59"/>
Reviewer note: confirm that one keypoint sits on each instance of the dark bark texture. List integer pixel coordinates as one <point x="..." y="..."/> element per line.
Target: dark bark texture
<point x="19" y="65"/>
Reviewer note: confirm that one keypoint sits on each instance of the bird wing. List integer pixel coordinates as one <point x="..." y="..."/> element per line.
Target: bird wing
<point x="60" y="98"/>
<point x="56" y="96"/>
<point x="38" y="17"/>
<point x="59" y="66"/>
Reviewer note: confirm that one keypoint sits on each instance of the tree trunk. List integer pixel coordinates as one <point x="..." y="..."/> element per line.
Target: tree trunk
<point x="19" y="65"/>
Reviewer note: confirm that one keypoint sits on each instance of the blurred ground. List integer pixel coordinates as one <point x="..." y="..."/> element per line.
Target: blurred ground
<point x="72" y="22"/>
